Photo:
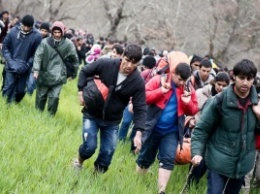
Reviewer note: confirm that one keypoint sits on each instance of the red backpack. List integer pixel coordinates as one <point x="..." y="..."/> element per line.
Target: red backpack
<point x="162" y="65"/>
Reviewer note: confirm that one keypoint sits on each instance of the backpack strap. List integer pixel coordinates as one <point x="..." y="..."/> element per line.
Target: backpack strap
<point x="219" y="98"/>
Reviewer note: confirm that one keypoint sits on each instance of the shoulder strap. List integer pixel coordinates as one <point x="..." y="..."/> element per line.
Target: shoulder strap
<point x="53" y="46"/>
<point x="219" y="98"/>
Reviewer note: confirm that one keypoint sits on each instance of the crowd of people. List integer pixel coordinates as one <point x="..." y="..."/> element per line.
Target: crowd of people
<point x="165" y="98"/>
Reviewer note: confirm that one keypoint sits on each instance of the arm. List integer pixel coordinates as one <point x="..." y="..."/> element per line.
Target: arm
<point x="6" y="47"/>
<point x="37" y="62"/>
<point x="189" y="102"/>
<point x="204" y="128"/>
<point x="37" y="41"/>
<point x="256" y="109"/>
<point x="88" y="71"/>
<point x="154" y="90"/>
<point x="73" y="58"/>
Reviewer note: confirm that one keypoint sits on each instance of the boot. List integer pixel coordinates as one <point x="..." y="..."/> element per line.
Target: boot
<point x="19" y="97"/>
<point x="40" y="103"/>
<point x="53" y="105"/>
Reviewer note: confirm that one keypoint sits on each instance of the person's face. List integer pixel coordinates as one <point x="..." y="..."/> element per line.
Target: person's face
<point x="79" y="42"/>
<point x="243" y="85"/>
<point x="56" y="34"/>
<point x="44" y="32"/>
<point x="204" y="73"/>
<point x="127" y="66"/>
<point x="114" y="54"/>
<point x="195" y="66"/>
<point x="26" y="28"/>
<point x="177" y="80"/>
<point x="219" y="85"/>
<point x="5" y="16"/>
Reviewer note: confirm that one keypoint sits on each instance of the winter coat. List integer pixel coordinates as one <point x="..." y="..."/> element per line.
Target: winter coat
<point x="203" y="94"/>
<point x="226" y="136"/>
<point x="133" y="86"/>
<point x="50" y="66"/>
<point x="197" y="82"/>
<point x="156" y="101"/>
<point x="19" y="49"/>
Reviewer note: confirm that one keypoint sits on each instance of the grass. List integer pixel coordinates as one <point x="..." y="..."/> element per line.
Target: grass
<point x="37" y="149"/>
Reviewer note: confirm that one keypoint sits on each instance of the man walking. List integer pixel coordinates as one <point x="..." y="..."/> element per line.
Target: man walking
<point x="19" y="47"/>
<point x="49" y="67"/>
<point x="168" y="99"/>
<point x="123" y="79"/>
<point x="225" y="133"/>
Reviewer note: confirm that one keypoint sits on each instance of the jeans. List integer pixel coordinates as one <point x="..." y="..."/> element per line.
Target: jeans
<point x="31" y="84"/>
<point x="108" y="141"/>
<point x="165" y="143"/>
<point x="218" y="183"/>
<point x="125" y="124"/>
<point x="14" y="86"/>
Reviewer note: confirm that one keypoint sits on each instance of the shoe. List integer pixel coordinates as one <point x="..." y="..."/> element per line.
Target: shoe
<point x="77" y="165"/>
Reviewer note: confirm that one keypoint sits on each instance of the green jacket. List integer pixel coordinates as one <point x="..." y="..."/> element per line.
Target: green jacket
<point x="49" y="65"/>
<point x="226" y="138"/>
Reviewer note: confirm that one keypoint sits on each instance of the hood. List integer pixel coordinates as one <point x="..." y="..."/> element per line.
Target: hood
<point x="60" y="25"/>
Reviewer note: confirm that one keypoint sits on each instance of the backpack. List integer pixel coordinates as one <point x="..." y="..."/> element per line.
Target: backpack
<point x="219" y="98"/>
<point x="95" y="94"/>
<point x="162" y="65"/>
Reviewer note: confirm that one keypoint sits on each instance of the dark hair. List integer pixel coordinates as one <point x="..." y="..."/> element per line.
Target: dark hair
<point x="5" y="12"/>
<point x="245" y="68"/>
<point x="205" y="63"/>
<point x="184" y="70"/>
<point x="222" y="76"/>
<point x="151" y="53"/>
<point x="149" y="62"/>
<point x="146" y="51"/>
<point x="196" y="58"/>
<point x="133" y="52"/>
<point x="119" y="49"/>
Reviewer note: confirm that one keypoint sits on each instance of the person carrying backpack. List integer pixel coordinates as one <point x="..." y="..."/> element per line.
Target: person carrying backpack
<point x="168" y="99"/>
<point x="123" y="80"/>
<point x="225" y="133"/>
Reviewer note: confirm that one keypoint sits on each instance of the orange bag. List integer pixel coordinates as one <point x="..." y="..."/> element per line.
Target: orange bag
<point x="183" y="156"/>
<point x="162" y="66"/>
<point x="102" y="88"/>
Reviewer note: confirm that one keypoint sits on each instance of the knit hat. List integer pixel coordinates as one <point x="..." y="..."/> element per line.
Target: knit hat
<point x="45" y="26"/>
<point x="149" y="62"/>
<point x="58" y="26"/>
<point x="28" y="20"/>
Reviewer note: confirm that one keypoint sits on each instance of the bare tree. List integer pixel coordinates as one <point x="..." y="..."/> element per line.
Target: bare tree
<point x="226" y="30"/>
<point x="115" y="15"/>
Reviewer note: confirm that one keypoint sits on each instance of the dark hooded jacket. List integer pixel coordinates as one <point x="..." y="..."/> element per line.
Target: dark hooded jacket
<point x="19" y="48"/>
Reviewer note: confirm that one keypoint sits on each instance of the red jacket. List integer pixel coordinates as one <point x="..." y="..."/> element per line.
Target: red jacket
<point x="157" y="101"/>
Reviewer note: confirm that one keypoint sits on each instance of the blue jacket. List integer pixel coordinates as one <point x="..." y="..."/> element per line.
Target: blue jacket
<point x="20" y="47"/>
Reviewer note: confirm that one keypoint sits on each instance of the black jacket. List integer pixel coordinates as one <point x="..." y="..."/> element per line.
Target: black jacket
<point x="133" y="86"/>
